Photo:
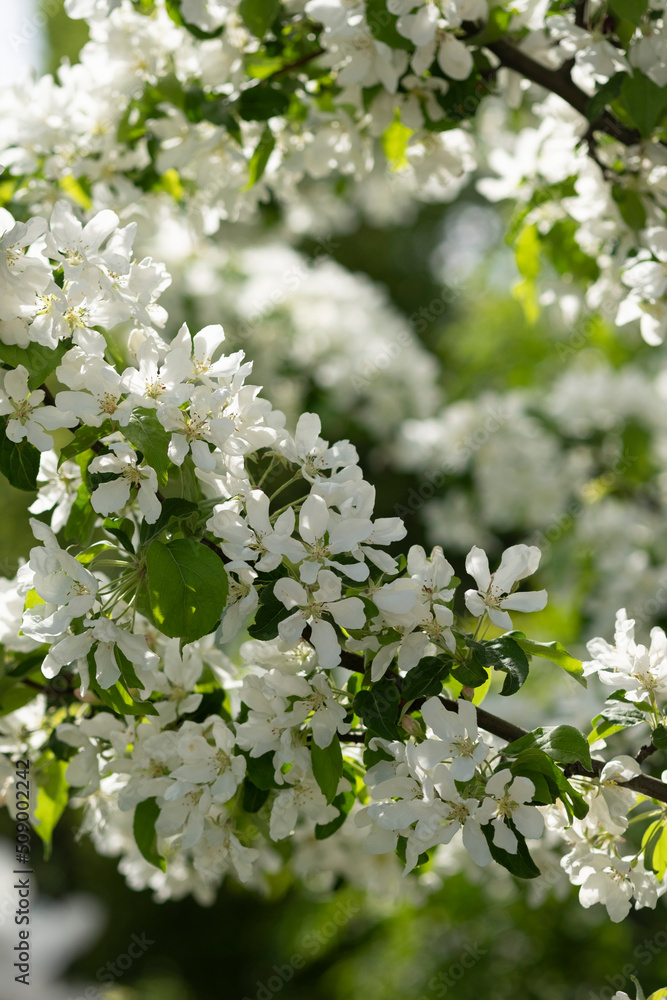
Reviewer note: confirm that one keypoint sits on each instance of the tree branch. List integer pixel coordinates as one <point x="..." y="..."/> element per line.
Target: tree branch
<point x="643" y="784"/>
<point x="560" y="83"/>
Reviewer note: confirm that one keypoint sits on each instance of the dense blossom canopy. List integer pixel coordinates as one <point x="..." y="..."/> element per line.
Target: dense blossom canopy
<point x="215" y="646"/>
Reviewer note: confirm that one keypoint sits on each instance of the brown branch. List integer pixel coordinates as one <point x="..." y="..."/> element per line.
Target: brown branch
<point x="560" y="83"/>
<point x="645" y="752"/>
<point x="643" y="784"/>
<point x="297" y="64"/>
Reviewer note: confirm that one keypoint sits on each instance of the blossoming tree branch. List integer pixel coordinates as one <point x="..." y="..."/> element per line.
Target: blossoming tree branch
<point x="216" y="648"/>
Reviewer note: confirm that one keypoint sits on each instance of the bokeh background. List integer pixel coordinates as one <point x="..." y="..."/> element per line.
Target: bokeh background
<point x="482" y="414"/>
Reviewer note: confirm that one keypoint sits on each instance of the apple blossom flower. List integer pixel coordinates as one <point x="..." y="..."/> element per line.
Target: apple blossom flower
<point x="312" y="604"/>
<point x="27" y="419"/>
<point x="113" y="495"/>
<point x="494" y="594"/>
<point x="457" y="739"/>
<point x="505" y="799"/>
<point x="104" y="635"/>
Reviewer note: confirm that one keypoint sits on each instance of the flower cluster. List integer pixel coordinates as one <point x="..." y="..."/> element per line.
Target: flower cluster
<point x="215" y="636"/>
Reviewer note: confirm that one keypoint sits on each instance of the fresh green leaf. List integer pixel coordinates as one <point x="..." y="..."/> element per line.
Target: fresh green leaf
<point x="379" y="709"/>
<point x="644" y="101"/>
<point x="118" y="698"/>
<point x="520" y="864"/>
<point x="507" y="655"/>
<point x="629" y="10"/>
<point x="659" y="737"/>
<point x="327" y="765"/>
<point x="471" y="673"/>
<point x="553" y="651"/>
<point x="146" y="815"/>
<point x="253" y="797"/>
<point x="614" y="718"/>
<point x="174" y="507"/>
<point x="40" y="361"/>
<point x="383" y="25"/>
<point x="122" y="529"/>
<point x="187" y="587"/>
<point x="147" y="434"/>
<point x="51" y="800"/>
<point x="261" y="771"/>
<point x="425" y="680"/>
<point x="496" y="26"/>
<point x="258" y="15"/>
<point x="268" y="616"/>
<point x="565" y="744"/>
<point x="264" y="101"/>
<point x="603" y="96"/>
<point x="84" y="438"/>
<point x="19" y="463"/>
<point x="535" y="764"/>
<point x="343" y="804"/>
<point x="527" y="252"/>
<point x="395" y="140"/>
<point x="14" y="695"/>
<point x="260" y="157"/>
<point x="630" y="205"/>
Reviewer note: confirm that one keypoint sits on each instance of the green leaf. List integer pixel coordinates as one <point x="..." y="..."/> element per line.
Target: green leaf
<point x="260" y="157"/>
<point x="527" y="252"/>
<point x="425" y="680"/>
<point x="19" y="463"/>
<point x="51" y="800"/>
<point x="258" y="15"/>
<point x="565" y="744"/>
<point x="122" y="529"/>
<point x="395" y="140"/>
<point x="629" y="10"/>
<point x="327" y="765"/>
<point x="630" y="205"/>
<point x="171" y="507"/>
<point x="473" y="672"/>
<point x="82" y="518"/>
<point x="261" y="771"/>
<point x="379" y="709"/>
<point x="84" y="438"/>
<point x="520" y="864"/>
<point x="659" y="737"/>
<point x="343" y="804"/>
<point x="644" y="101"/>
<point x="401" y="853"/>
<point x="147" y="434"/>
<point x="145" y="817"/>
<point x="187" y="587"/>
<point x="614" y="718"/>
<point x="495" y="28"/>
<point x="506" y="654"/>
<point x="603" y="96"/>
<point x="550" y="782"/>
<point x="119" y="699"/>
<point x="553" y="651"/>
<point x="253" y="797"/>
<point x="268" y="616"/>
<point x="654" y="846"/>
<point x="39" y="360"/>
<point x="264" y="101"/>
<point x="383" y="25"/>
<point x="14" y="695"/>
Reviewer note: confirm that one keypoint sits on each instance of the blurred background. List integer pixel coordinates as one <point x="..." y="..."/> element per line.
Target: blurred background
<point x="484" y="413"/>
